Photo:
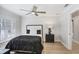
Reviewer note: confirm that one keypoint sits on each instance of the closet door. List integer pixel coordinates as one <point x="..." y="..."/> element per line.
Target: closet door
<point x="76" y="28"/>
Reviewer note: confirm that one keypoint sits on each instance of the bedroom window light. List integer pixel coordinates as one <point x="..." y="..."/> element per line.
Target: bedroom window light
<point x="5" y="29"/>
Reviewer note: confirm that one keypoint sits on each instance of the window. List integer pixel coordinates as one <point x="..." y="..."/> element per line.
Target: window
<point x="5" y="28"/>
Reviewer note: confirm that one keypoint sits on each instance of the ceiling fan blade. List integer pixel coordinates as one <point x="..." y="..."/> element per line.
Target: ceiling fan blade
<point x="28" y="13"/>
<point x="34" y="9"/>
<point x="25" y="10"/>
<point x="41" y="12"/>
<point x="36" y="14"/>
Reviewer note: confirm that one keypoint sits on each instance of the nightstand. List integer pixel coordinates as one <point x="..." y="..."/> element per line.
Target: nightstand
<point x="49" y="38"/>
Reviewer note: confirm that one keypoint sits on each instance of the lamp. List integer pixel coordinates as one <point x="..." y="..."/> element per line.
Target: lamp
<point x="50" y="28"/>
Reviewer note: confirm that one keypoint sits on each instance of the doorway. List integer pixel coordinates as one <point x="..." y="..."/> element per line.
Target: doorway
<point x="75" y="31"/>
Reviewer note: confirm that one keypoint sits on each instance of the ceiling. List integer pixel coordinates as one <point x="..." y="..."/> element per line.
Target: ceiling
<point x="51" y="9"/>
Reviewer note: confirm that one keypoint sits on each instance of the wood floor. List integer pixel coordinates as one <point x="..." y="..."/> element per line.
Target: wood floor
<point x="58" y="48"/>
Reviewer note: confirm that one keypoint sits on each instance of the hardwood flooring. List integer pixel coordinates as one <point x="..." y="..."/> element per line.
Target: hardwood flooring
<point x="58" y="48"/>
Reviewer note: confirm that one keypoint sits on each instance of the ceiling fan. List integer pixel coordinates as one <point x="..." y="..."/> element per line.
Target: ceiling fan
<point x="33" y="11"/>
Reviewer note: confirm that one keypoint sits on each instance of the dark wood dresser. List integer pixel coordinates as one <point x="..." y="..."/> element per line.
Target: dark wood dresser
<point x="49" y="38"/>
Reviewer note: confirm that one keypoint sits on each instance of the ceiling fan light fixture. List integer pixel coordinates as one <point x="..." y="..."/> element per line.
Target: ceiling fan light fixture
<point x="33" y="13"/>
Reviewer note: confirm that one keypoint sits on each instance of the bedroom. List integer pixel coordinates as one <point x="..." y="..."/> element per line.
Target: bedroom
<point x="15" y="21"/>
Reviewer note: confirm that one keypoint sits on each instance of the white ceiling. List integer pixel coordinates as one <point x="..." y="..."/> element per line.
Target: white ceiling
<point x="51" y="9"/>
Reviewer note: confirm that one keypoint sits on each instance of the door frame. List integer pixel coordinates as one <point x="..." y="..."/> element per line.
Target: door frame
<point x="71" y="28"/>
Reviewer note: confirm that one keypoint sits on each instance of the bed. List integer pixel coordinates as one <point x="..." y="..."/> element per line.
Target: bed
<point x="25" y="44"/>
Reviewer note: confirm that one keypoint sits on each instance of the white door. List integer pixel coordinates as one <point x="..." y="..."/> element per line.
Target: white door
<point x="76" y="29"/>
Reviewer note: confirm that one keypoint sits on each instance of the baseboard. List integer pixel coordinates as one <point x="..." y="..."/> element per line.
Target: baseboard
<point x="77" y="42"/>
<point x="65" y="45"/>
<point x="57" y="40"/>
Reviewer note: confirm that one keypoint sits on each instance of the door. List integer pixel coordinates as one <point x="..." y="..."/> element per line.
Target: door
<point x="76" y="29"/>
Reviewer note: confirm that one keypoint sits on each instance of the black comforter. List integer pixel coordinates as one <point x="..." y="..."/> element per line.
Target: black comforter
<point x="26" y="43"/>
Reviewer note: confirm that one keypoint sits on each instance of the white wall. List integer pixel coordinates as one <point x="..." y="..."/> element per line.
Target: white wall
<point x="45" y="21"/>
<point x="15" y="19"/>
<point x="65" y="30"/>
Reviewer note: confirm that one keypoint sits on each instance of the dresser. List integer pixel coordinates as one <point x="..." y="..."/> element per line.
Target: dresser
<point x="49" y="38"/>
